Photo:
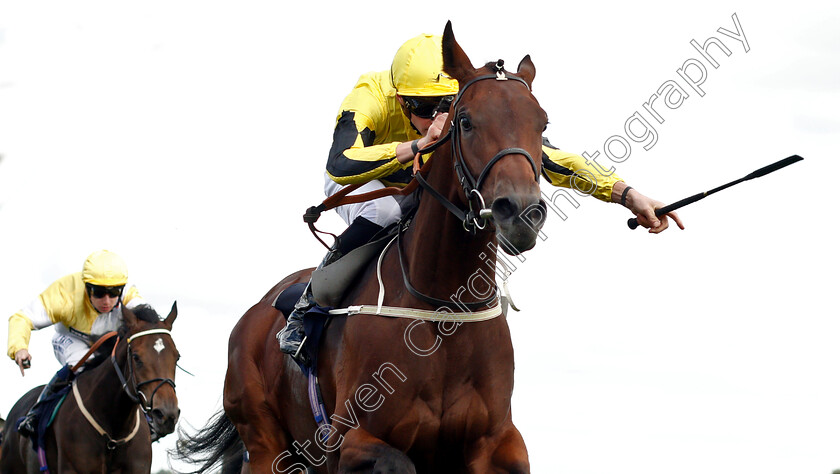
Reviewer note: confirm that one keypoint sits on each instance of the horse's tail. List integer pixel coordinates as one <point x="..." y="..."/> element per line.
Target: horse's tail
<point x="217" y="444"/>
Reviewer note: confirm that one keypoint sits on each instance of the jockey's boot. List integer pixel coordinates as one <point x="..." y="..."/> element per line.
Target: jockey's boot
<point x="292" y="337"/>
<point x="29" y="424"/>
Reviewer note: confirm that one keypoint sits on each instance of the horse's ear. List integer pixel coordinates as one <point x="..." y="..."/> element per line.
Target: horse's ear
<point x="173" y="313"/>
<point x="128" y="317"/>
<point x="526" y="70"/>
<point x="455" y="60"/>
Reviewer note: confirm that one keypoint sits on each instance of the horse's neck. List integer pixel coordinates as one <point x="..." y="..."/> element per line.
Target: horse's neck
<point x="105" y="399"/>
<point x="442" y="257"/>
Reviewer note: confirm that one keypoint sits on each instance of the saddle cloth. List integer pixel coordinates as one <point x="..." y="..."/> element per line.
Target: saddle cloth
<point x="46" y="411"/>
<point x="313" y="322"/>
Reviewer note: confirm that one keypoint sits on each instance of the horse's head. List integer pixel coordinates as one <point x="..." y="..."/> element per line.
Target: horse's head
<point x="497" y="127"/>
<point x="150" y="365"/>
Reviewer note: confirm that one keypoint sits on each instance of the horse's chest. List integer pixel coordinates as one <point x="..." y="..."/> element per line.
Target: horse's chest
<point x="468" y="416"/>
<point x="461" y="415"/>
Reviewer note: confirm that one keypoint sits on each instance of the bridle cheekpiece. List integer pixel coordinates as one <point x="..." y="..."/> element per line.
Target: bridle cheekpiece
<point x="477" y="215"/>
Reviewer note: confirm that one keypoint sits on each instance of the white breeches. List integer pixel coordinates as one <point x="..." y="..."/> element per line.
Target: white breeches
<point x="68" y="348"/>
<point x="383" y="211"/>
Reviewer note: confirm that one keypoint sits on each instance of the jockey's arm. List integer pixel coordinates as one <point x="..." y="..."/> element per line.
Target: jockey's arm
<point x="45" y="310"/>
<point x="405" y="154"/>
<point x="574" y="171"/>
<point x="354" y="158"/>
<point x="644" y="208"/>
<point x="21" y="324"/>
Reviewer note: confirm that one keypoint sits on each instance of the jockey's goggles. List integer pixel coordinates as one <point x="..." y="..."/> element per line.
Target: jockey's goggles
<point x="100" y="291"/>
<point x="427" y="107"/>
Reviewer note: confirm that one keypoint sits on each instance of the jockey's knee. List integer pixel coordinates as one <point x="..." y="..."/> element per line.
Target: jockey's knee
<point x="382" y="212"/>
<point x="68" y="350"/>
<point x="387" y="212"/>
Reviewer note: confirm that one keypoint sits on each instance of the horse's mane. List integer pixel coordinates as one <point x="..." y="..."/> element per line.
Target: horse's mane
<point x="100" y="355"/>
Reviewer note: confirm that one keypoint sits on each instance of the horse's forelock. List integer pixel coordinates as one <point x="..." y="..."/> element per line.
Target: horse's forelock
<point x="143" y="312"/>
<point x="146" y="313"/>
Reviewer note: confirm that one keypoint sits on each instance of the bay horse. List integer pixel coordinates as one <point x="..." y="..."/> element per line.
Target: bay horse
<point x="116" y="396"/>
<point x="407" y="395"/>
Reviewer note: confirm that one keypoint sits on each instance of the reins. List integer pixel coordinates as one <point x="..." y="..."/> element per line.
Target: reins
<point x="436" y="302"/>
<point x="93" y="349"/>
<point x="341" y="197"/>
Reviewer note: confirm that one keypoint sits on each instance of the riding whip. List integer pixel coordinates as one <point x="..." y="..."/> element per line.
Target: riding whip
<point x="633" y="223"/>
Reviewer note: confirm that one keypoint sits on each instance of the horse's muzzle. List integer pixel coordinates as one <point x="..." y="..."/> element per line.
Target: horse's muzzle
<point x="164" y="418"/>
<point x="518" y="220"/>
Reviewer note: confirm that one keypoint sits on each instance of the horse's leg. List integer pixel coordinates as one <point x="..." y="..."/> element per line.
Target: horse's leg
<point x="255" y="365"/>
<point x="361" y="452"/>
<point x="17" y="456"/>
<point x="268" y="447"/>
<point x="504" y="453"/>
<point x="265" y="438"/>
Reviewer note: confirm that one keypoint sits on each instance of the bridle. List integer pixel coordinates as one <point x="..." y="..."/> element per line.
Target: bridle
<point x="477" y="215"/>
<point x="134" y="392"/>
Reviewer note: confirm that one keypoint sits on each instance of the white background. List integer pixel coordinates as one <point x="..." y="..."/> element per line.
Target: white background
<point x="189" y="137"/>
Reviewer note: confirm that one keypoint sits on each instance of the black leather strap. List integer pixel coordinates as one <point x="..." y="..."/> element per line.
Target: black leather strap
<point x="624" y="195"/>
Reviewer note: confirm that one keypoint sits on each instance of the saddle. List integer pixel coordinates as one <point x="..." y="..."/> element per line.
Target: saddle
<point x="330" y="282"/>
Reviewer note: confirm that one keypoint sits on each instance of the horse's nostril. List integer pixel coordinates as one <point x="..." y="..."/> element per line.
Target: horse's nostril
<point x="157" y="414"/>
<point x="504" y="209"/>
<point x="536" y="214"/>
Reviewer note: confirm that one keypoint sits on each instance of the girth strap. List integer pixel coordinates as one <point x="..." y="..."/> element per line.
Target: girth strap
<point x="422" y="314"/>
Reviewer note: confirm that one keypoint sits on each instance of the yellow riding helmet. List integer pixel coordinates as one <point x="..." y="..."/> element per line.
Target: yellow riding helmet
<point x="417" y="69"/>
<point x="105" y="268"/>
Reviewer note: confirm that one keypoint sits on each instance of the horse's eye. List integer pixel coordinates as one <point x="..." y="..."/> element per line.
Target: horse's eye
<point x="136" y="359"/>
<point x="465" y="123"/>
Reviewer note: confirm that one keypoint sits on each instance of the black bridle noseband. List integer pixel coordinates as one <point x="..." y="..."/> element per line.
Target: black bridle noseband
<point x="476" y="217"/>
